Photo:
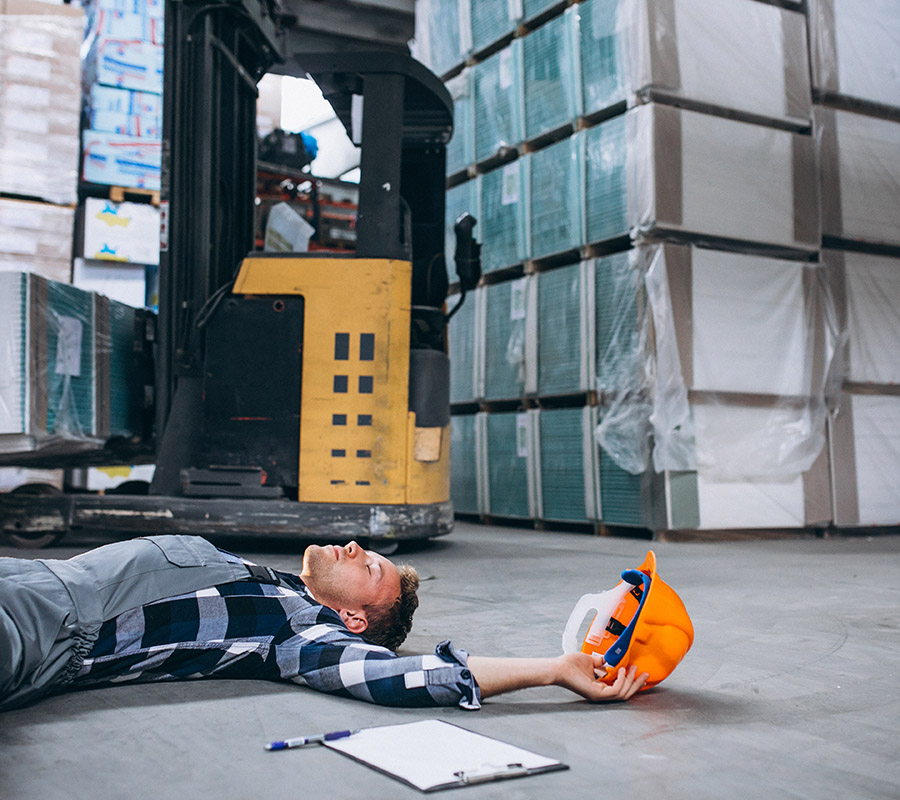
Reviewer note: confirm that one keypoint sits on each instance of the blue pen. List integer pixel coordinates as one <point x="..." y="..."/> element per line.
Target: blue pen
<point x="302" y="741"/>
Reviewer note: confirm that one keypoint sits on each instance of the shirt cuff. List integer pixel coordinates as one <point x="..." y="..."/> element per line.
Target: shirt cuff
<point x="470" y="694"/>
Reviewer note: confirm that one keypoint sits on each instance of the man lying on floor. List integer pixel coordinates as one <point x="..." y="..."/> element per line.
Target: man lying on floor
<point x="176" y="607"/>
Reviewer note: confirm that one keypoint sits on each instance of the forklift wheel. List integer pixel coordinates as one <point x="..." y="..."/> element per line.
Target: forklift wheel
<point x="34" y="538"/>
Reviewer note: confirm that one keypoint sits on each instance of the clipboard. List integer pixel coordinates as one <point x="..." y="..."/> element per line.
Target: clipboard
<point x="431" y="755"/>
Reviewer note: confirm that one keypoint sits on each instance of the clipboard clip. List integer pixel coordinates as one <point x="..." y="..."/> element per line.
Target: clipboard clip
<point x="490" y="772"/>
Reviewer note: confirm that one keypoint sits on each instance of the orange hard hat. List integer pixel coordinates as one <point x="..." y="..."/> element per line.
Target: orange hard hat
<point x="641" y="622"/>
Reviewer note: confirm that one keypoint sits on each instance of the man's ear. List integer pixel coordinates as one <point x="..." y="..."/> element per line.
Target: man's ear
<point x="356" y="621"/>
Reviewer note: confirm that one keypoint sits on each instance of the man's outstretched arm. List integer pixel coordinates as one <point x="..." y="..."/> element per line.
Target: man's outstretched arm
<point x="577" y="672"/>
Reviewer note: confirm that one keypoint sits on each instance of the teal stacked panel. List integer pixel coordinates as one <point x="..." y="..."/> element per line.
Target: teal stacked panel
<point x="460" y="150"/>
<point x="504" y="340"/>
<point x="70" y="376"/>
<point x="458" y="200"/>
<point x="125" y="389"/>
<point x="617" y="289"/>
<point x="602" y="62"/>
<point x="491" y="21"/>
<point x="549" y="70"/>
<point x="555" y="201"/>
<point x="443" y="31"/>
<point x="497" y="102"/>
<point x="560" y="349"/>
<point x="534" y="7"/>
<point x="461" y="338"/>
<point x="621" y="496"/>
<point x="13" y="352"/>
<point x="562" y="469"/>
<point x="507" y="463"/>
<point x="502" y="209"/>
<point x="463" y="465"/>
<point x="606" y="183"/>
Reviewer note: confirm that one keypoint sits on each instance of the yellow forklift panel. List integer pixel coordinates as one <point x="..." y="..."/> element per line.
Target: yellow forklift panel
<point x="354" y="428"/>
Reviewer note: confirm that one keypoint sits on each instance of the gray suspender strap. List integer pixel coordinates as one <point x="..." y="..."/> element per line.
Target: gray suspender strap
<point x="263" y="574"/>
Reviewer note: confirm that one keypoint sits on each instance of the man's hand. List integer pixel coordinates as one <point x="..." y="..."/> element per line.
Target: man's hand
<point x="581" y="673"/>
<point x="577" y="672"/>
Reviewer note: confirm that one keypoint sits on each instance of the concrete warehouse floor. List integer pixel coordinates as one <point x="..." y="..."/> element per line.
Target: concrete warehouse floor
<point x="791" y="688"/>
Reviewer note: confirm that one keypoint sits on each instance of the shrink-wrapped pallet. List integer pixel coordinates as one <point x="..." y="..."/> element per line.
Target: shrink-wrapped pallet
<point x="464" y="341"/>
<point x="40" y="99"/>
<point x="566" y="465"/>
<point x="491" y="21"/>
<point x="565" y="341"/>
<point x="509" y="452"/>
<point x="856" y="50"/>
<point x="860" y="177"/>
<point x="700" y="176"/>
<point x="867" y="294"/>
<point x="442" y="33"/>
<point x="865" y="460"/>
<point x="113" y="159"/>
<point x="503" y="216"/>
<point x="733" y="56"/>
<point x="555" y="197"/>
<point x="497" y="102"/>
<point x="509" y="340"/>
<point x="36" y="237"/>
<point x="464" y="483"/>
<point x="461" y="147"/>
<point x="550" y="75"/>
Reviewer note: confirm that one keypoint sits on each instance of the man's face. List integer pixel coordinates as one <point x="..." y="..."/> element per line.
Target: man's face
<point x="349" y="578"/>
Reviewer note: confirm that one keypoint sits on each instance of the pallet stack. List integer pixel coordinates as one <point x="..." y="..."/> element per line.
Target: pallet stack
<point x="674" y="268"/>
<point x="856" y="86"/>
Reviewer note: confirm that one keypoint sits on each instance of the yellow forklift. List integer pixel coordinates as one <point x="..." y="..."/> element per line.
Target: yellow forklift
<point x="301" y="394"/>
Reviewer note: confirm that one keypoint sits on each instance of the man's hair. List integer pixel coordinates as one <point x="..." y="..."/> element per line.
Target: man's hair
<point x="389" y="624"/>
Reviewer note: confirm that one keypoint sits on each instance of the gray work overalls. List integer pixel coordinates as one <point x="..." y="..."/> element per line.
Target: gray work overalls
<point x="51" y="610"/>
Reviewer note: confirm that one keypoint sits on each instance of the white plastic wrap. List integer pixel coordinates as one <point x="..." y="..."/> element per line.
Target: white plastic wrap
<point x="737" y="366"/>
<point x="859" y="158"/>
<point x="716" y="177"/>
<point x="741" y="55"/>
<point x="442" y="33"/>
<point x="36" y="237"/>
<point x="40" y="97"/>
<point x="865" y="460"/>
<point x="856" y="49"/>
<point x="867" y="290"/>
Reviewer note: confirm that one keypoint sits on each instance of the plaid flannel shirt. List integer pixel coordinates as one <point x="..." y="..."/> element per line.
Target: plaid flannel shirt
<point x="247" y="629"/>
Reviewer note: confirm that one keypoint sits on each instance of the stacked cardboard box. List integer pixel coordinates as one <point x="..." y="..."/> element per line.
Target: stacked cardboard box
<point x="39" y="99"/>
<point x="122" y="87"/>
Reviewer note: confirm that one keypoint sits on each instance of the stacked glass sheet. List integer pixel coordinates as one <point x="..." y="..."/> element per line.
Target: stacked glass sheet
<point x="504" y="340"/>
<point x="561" y="344"/>
<point x="460" y="150"/>
<point x="606" y="181"/>
<point x="439" y="34"/>
<point x="621" y="496"/>
<point x="534" y="7"/>
<point x="502" y="221"/>
<point x="555" y="198"/>
<point x="498" y="102"/>
<point x="508" y="450"/>
<point x="70" y="367"/>
<point x="464" y="464"/>
<point x="125" y="390"/>
<point x="550" y="68"/>
<point x="563" y="477"/>
<point x="602" y="81"/>
<point x="491" y="20"/>
<point x="462" y="337"/>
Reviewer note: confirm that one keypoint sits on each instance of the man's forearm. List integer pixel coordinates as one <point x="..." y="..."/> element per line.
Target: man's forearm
<point x="498" y="675"/>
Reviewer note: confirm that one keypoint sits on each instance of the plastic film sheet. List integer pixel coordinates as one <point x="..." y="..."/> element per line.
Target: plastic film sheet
<point x="71" y="379"/>
<point x="740" y="55"/>
<point x="736" y="368"/>
<point x="498" y="102"/>
<point x="439" y="33"/>
<point x="40" y="100"/>
<point x="460" y="148"/>
<point x="856" y="49"/>
<point x="860" y="176"/>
